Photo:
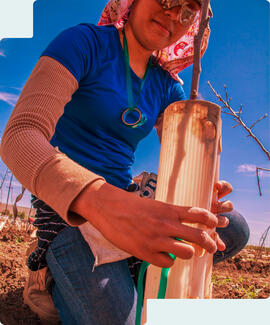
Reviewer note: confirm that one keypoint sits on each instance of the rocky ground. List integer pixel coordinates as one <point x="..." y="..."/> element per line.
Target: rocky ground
<point x="245" y="276"/>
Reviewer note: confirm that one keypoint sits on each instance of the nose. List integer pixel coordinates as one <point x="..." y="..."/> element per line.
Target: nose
<point x="173" y="13"/>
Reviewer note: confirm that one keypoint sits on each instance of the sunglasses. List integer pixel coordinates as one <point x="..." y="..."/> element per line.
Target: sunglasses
<point x="187" y="12"/>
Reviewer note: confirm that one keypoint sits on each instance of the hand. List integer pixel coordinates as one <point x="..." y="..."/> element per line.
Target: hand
<point x="221" y="189"/>
<point x="145" y="228"/>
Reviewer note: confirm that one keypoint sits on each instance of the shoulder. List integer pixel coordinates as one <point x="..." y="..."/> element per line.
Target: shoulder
<point x="94" y="30"/>
<point x="79" y="47"/>
<point x="86" y="32"/>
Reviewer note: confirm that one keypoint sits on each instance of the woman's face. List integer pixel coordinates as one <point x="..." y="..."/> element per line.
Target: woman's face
<point x="154" y="27"/>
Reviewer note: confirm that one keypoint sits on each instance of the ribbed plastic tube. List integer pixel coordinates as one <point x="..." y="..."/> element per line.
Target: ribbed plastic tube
<point x="188" y="168"/>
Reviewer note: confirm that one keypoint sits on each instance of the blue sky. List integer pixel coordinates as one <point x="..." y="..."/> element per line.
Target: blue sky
<point x="238" y="56"/>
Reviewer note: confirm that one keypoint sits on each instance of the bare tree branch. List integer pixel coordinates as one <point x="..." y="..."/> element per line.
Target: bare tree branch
<point x="18" y="198"/>
<point x="3" y="179"/>
<point x="227" y="113"/>
<point x="258" y="178"/>
<point x="263" y="240"/>
<point x="261" y="118"/>
<point x="258" y="181"/>
<point x="238" y="118"/>
<point x="236" y="125"/>
<point x="240" y="111"/>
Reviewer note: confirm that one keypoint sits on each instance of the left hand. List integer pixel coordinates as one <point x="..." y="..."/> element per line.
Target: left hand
<point x="221" y="189"/>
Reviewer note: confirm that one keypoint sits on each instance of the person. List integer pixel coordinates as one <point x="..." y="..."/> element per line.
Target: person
<point x="95" y="92"/>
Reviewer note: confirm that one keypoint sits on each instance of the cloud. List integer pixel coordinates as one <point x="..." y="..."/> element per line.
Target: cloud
<point x="20" y="89"/>
<point x="251" y="170"/>
<point x="9" y="98"/>
<point x="246" y="168"/>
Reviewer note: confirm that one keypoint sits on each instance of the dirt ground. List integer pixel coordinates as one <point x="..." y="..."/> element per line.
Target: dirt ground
<point x="245" y="276"/>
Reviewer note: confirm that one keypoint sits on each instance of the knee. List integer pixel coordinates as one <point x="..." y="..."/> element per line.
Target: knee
<point x="237" y="229"/>
<point x="235" y="236"/>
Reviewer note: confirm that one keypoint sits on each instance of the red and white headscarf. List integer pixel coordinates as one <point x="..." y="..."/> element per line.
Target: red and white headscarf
<point x="173" y="58"/>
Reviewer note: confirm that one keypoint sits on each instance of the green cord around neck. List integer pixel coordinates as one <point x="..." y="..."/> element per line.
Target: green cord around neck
<point x="132" y="107"/>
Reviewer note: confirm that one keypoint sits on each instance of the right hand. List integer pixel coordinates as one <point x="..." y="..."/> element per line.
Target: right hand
<point x="145" y="228"/>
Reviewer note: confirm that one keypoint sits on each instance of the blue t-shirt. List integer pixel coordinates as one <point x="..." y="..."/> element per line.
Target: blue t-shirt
<point x="91" y="131"/>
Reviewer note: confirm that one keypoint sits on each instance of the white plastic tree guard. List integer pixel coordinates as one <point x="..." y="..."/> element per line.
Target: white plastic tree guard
<point x="188" y="169"/>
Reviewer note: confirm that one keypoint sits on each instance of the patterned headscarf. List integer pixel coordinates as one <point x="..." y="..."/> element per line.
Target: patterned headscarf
<point x="173" y="58"/>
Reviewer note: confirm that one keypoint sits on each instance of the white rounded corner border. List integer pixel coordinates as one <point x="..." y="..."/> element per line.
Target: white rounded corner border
<point x="16" y="19"/>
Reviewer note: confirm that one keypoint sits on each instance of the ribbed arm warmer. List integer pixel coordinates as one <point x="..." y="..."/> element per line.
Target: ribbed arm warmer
<point x="42" y="169"/>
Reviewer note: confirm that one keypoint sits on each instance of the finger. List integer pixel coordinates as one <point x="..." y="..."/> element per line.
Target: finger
<point x="178" y="248"/>
<point x="175" y="247"/>
<point x="225" y="206"/>
<point x="191" y="235"/>
<point x="198" y="215"/>
<point x="220" y="244"/>
<point x="223" y="188"/>
<point x="161" y="259"/>
<point x="222" y="207"/>
<point x="222" y="221"/>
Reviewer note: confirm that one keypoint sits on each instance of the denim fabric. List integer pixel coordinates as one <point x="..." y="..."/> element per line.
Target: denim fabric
<point x="107" y="295"/>
<point x="235" y="236"/>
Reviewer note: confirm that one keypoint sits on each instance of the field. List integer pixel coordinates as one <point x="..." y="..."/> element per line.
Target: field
<point x="245" y="276"/>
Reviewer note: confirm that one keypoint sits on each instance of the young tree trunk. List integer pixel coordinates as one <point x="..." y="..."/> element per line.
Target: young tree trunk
<point x="197" y="49"/>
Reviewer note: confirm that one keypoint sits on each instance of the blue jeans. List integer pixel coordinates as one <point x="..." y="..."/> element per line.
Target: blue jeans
<point x="108" y="296"/>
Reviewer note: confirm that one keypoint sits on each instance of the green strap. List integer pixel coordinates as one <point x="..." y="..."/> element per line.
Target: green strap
<point x="162" y="286"/>
<point x="128" y="75"/>
<point x="140" y="291"/>
<point x="163" y="280"/>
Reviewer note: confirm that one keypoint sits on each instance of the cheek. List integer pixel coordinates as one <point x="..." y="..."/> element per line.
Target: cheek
<point x="179" y="32"/>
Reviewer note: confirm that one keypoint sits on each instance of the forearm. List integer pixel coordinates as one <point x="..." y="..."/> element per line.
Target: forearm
<point x="25" y="147"/>
<point x="91" y="199"/>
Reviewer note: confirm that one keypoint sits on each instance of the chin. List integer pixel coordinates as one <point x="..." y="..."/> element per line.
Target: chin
<point x="159" y="40"/>
<point x="160" y="45"/>
<point x="151" y="39"/>
<point x="155" y="43"/>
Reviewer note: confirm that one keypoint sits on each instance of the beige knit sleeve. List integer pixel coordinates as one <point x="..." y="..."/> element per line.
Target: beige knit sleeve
<point x="25" y="148"/>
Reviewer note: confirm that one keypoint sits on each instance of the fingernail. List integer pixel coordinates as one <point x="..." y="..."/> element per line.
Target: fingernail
<point x="223" y="247"/>
<point x="214" y="249"/>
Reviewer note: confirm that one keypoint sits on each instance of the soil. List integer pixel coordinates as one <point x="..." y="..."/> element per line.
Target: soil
<point x="245" y="276"/>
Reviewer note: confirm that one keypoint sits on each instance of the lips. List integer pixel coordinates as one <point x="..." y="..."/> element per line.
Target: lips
<point x="163" y="27"/>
